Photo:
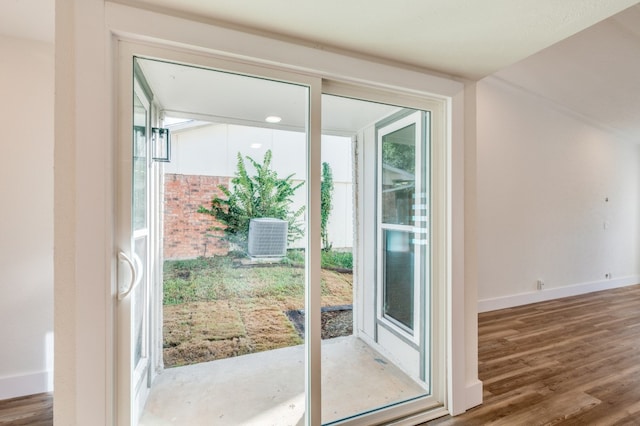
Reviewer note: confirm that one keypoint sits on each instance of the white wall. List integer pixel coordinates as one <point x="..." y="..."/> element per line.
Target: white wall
<point x="26" y="228"/>
<point x="211" y="150"/>
<point x="542" y="180"/>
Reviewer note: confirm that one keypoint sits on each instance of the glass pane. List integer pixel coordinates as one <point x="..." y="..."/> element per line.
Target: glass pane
<point x="356" y="348"/>
<point x="398" y="175"/>
<point x="398" y="266"/>
<point x="139" y="212"/>
<point x="234" y="245"/>
<point x="140" y="296"/>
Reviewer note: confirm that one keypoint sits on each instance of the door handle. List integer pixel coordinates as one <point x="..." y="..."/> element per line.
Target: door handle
<point x="135" y="277"/>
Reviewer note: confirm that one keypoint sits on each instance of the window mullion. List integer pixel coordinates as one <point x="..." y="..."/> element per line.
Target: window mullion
<point x="313" y="302"/>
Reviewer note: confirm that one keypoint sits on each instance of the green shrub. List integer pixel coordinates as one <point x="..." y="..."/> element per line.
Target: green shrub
<point x="328" y="259"/>
<point x="261" y="195"/>
<point x="337" y="259"/>
<point x="326" y="191"/>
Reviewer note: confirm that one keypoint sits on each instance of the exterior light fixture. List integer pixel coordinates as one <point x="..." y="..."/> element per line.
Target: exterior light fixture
<point x="160" y="144"/>
<point x="256" y="145"/>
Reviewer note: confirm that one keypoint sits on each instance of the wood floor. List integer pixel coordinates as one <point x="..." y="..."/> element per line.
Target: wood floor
<point x="572" y="361"/>
<point x="33" y="410"/>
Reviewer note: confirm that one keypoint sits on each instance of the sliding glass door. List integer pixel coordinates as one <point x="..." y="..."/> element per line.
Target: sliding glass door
<point x="250" y="248"/>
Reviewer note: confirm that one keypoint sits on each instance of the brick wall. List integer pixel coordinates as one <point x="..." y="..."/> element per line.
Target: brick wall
<point x="185" y="230"/>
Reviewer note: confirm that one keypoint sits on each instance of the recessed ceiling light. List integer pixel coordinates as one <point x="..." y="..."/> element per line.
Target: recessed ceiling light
<point x="273" y="119"/>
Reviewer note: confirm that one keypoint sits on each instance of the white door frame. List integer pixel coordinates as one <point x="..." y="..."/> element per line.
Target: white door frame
<point x="127" y="50"/>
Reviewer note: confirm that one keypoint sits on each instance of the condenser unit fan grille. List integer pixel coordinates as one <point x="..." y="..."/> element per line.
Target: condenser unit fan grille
<point x="267" y="238"/>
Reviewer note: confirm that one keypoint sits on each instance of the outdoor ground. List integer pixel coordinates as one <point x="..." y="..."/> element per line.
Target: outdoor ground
<point x="218" y="308"/>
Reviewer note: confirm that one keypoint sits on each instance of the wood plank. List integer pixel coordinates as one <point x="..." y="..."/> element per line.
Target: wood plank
<point x="33" y="410"/>
<point x="550" y="411"/>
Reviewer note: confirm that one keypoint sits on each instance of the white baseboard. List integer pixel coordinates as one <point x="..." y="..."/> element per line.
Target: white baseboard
<point x="27" y="384"/>
<point x="473" y="394"/>
<point x="504" y="302"/>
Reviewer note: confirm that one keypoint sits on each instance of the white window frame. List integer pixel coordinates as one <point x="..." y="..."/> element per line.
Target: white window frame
<point x="414" y="334"/>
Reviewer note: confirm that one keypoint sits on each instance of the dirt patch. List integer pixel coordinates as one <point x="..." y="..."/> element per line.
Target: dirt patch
<point x="337" y="288"/>
<point x="203" y="331"/>
<point x="206" y="331"/>
<point x="209" y="321"/>
<point x="267" y="325"/>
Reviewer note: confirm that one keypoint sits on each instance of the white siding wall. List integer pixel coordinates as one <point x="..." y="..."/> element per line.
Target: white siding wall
<point x="211" y="150"/>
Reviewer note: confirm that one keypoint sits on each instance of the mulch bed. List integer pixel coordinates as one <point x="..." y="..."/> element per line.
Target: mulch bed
<point x="336" y="321"/>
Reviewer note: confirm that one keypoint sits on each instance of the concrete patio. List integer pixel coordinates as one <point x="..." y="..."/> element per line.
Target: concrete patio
<point x="267" y="388"/>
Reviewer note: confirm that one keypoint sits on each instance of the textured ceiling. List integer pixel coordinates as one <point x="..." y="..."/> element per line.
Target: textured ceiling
<point x="594" y="74"/>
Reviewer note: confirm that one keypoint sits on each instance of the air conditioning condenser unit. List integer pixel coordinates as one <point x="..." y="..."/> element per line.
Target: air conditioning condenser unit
<point x="267" y="238"/>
